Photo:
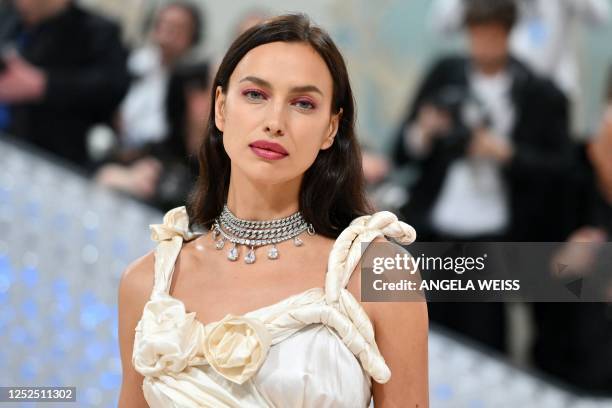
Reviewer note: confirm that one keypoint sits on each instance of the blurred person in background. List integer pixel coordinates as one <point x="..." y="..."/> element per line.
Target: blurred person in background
<point x="598" y="151"/>
<point x="543" y="35"/>
<point x="573" y="341"/>
<point x="489" y="140"/>
<point x="177" y="30"/>
<point x="162" y="174"/>
<point x="162" y="119"/>
<point x="250" y="18"/>
<point x="63" y="70"/>
<point x="246" y="20"/>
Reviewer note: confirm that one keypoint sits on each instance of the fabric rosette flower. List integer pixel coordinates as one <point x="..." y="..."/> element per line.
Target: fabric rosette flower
<point x="164" y="338"/>
<point x="236" y="347"/>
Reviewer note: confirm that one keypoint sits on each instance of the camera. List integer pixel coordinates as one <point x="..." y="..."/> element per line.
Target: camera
<point x="462" y="106"/>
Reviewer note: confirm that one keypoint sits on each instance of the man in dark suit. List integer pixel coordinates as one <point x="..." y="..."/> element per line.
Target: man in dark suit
<point x="66" y="71"/>
<point x="490" y="141"/>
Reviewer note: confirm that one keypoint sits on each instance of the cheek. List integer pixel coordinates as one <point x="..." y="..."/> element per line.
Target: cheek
<point x="481" y="46"/>
<point x="502" y="46"/>
<point x="241" y="119"/>
<point x="495" y="45"/>
<point x="309" y="134"/>
<point x="485" y="51"/>
<point x="184" y="40"/>
<point x="241" y="123"/>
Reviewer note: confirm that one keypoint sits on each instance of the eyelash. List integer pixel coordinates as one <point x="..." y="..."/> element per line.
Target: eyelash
<point x="257" y="95"/>
<point x="309" y="102"/>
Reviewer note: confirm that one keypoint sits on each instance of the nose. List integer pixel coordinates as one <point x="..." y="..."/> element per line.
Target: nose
<point x="274" y="125"/>
<point x="274" y="130"/>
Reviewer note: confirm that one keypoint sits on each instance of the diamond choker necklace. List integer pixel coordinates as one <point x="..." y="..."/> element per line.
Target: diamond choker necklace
<point x="253" y="234"/>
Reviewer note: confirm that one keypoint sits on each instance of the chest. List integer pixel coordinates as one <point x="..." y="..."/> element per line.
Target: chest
<point x="212" y="286"/>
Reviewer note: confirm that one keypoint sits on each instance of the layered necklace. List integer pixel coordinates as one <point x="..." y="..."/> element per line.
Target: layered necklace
<point x="254" y="234"/>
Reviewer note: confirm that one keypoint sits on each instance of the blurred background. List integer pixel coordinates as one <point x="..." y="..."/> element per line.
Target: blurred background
<point x="480" y="120"/>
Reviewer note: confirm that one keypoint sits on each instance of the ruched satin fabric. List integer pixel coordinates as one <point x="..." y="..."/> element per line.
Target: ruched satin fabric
<point x="313" y="349"/>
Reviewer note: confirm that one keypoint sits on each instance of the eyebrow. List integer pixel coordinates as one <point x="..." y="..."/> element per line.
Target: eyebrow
<point x="296" y="89"/>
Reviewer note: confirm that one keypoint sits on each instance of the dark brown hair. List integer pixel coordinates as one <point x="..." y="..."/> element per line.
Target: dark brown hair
<point x="332" y="192"/>
<point x="503" y="12"/>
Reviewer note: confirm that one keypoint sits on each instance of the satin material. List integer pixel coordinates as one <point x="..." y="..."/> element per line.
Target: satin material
<point x="313" y="349"/>
<point x="313" y="368"/>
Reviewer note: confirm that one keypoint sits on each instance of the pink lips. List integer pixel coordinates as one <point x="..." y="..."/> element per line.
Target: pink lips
<point x="268" y="150"/>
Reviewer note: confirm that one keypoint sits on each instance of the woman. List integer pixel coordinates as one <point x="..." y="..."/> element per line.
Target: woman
<point x="259" y="324"/>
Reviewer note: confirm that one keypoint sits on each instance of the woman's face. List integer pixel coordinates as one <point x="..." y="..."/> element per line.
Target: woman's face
<point x="276" y="113"/>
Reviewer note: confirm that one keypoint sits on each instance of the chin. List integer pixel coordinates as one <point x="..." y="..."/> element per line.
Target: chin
<point x="269" y="180"/>
<point x="264" y="172"/>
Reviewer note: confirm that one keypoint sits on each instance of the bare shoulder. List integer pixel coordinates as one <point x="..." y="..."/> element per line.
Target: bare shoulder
<point x="137" y="280"/>
<point x="134" y="291"/>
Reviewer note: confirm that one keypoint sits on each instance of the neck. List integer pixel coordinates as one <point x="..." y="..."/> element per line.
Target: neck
<point x="490" y="70"/>
<point x="167" y="60"/>
<point x="252" y="200"/>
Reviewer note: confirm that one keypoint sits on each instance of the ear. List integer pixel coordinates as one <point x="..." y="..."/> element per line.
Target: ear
<point x="334" y="124"/>
<point x="219" y="109"/>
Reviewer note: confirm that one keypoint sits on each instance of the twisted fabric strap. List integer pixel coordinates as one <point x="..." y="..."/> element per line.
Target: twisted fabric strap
<point x="175" y="223"/>
<point x="170" y="236"/>
<point x="347" y="250"/>
<point x="344" y="257"/>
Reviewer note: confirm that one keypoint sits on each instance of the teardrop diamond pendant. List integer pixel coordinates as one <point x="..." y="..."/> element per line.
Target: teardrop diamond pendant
<point x="220" y="244"/>
<point x="273" y="252"/>
<point x="250" y="256"/>
<point x="232" y="255"/>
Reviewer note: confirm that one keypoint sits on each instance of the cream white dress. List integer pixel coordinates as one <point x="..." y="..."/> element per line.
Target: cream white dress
<point x="313" y="349"/>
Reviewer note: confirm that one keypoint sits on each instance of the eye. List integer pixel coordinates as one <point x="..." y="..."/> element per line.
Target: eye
<point x="254" y="94"/>
<point x="305" y="104"/>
